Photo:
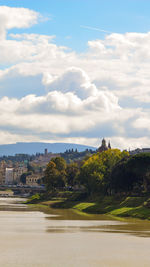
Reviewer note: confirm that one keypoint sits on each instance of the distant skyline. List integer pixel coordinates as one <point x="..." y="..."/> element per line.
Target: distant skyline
<point x="75" y="71"/>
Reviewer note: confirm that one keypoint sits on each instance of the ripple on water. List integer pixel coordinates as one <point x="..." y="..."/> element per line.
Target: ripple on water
<point x="69" y="239"/>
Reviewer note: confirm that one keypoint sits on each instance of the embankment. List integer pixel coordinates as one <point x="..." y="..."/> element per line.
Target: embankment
<point x="130" y="206"/>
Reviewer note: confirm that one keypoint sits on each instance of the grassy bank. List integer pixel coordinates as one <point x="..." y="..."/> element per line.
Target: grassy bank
<point x="137" y="207"/>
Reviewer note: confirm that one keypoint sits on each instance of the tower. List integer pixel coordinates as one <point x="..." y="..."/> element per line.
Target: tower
<point x="45" y="151"/>
<point x="103" y="142"/>
<point x="103" y="146"/>
<point x="109" y="146"/>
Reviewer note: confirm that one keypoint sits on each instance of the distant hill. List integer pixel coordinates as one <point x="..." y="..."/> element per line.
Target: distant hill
<point x="36" y="147"/>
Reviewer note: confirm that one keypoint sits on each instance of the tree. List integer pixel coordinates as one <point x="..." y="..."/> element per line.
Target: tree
<point x="60" y="163"/>
<point x="72" y="172"/>
<point x="110" y="158"/>
<point x="96" y="170"/>
<point x="132" y="172"/>
<point x="91" y="175"/>
<point x="30" y="168"/>
<point x="55" y="174"/>
<point x="23" y="177"/>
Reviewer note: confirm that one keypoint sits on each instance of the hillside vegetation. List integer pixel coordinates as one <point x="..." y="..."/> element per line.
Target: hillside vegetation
<point x="108" y="182"/>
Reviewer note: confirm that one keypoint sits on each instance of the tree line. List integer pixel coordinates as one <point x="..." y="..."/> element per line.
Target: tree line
<point x="109" y="172"/>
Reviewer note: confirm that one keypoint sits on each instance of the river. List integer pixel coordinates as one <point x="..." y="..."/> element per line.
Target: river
<point x="64" y="238"/>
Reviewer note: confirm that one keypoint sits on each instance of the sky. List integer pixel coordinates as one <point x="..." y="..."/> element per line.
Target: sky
<point x="75" y="71"/>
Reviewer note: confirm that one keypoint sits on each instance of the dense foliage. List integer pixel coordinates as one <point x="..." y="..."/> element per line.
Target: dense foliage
<point x="96" y="171"/>
<point x="132" y="174"/>
<point x="55" y="173"/>
<point x="105" y="173"/>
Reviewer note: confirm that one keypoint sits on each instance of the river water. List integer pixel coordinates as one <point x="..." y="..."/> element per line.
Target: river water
<point x="64" y="238"/>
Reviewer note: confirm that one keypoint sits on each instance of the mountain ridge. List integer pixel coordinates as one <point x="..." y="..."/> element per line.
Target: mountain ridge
<point x="38" y="147"/>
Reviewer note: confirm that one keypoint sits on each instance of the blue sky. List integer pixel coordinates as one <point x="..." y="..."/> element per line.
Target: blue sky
<point x="67" y="16"/>
<point x="75" y="71"/>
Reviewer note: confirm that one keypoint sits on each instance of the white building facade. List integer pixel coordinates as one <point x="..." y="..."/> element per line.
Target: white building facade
<point x="9" y="176"/>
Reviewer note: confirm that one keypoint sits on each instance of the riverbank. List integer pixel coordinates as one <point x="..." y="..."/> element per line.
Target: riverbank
<point x="137" y="207"/>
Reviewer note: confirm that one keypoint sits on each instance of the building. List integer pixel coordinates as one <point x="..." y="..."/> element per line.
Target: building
<point x="32" y="180"/>
<point x="6" y="193"/>
<point x="43" y="159"/>
<point x="18" y="171"/>
<point x="104" y="146"/>
<point x="9" y="176"/>
<point x="2" y="172"/>
<point x="139" y="150"/>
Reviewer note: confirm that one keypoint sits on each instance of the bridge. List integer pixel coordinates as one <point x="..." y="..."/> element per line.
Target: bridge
<point x="21" y="190"/>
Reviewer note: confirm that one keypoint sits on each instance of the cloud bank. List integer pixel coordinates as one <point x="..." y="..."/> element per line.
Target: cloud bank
<point x="49" y="92"/>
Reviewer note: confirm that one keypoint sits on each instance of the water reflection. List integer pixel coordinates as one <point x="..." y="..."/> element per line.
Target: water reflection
<point x="137" y="228"/>
<point x="67" y="221"/>
<point x="58" y="238"/>
<point x="79" y="221"/>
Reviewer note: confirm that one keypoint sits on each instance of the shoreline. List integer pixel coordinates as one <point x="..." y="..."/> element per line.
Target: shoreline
<point x="125" y="207"/>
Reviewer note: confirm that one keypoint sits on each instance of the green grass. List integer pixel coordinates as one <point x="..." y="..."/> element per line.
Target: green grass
<point x="138" y="212"/>
<point x="122" y="211"/>
<point x="137" y="207"/>
<point x="33" y="199"/>
<point x="126" y="207"/>
<point x="132" y="201"/>
<point x="83" y="206"/>
<point x="38" y="207"/>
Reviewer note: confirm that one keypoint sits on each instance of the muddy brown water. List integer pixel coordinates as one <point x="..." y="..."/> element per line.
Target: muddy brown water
<point x="65" y="238"/>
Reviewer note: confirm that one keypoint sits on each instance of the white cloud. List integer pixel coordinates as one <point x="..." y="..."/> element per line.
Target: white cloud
<point x="7" y="137"/>
<point x="143" y="122"/>
<point x="11" y="17"/>
<point x="61" y="111"/>
<point x="25" y="48"/>
<point x="74" y="93"/>
<point x="73" y="80"/>
<point x="130" y="143"/>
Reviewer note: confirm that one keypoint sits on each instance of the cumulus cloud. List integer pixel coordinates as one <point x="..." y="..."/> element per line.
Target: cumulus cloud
<point x="61" y="111"/>
<point x="119" y="62"/>
<point x="26" y="47"/>
<point x="11" y="17"/>
<point x="53" y="90"/>
<point x="73" y="80"/>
